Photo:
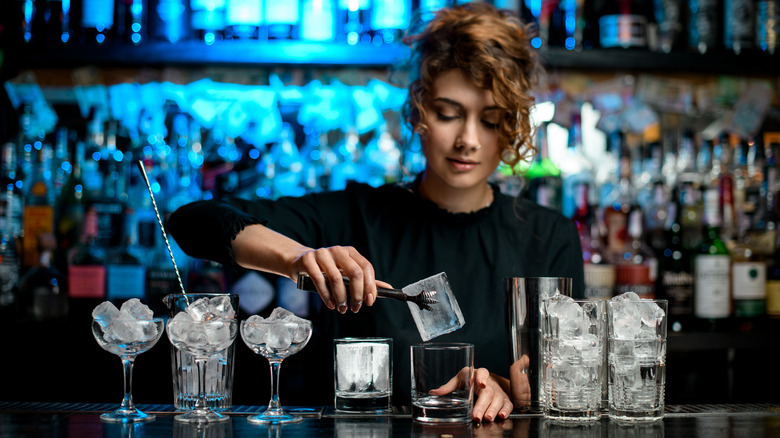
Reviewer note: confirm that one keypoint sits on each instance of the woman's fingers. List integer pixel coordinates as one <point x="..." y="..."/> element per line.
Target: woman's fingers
<point x="327" y="266"/>
<point x="492" y="402"/>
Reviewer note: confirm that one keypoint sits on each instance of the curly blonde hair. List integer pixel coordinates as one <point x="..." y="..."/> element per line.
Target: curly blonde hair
<point x="492" y="47"/>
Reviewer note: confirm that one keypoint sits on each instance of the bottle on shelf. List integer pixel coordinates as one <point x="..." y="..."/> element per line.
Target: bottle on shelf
<point x="772" y="213"/>
<point x="636" y="266"/>
<point x="599" y="271"/>
<point x="656" y="215"/>
<point x="169" y="21"/>
<point x="87" y="262"/>
<point x="543" y="177"/>
<point x="59" y="25"/>
<point x="125" y="271"/>
<point x="243" y="19"/>
<point x="712" y="263"/>
<point x="38" y="204"/>
<point x="389" y="20"/>
<point x="748" y="277"/>
<point x="669" y="15"/>
<point x="283" y="20"/>
<point x="11" y="203"/>
<point x="130" y="21"/>
<point x="704" y="26"/>
<point x="353" y="22"/>
<point x="72" y="201"/>
<point x="739" y="23"/>
<point x="767" y="22"/>
<point x="675" y="281"/>
<point x="575" y="167"/>
<point x="208" y="20"/>
<point x="97" y="19"/>
<point x="43" y="287"/>
<point x="318" y="20"/>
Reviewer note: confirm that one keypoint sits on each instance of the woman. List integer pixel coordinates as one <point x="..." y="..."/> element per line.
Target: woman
<point x="469" y="103"/>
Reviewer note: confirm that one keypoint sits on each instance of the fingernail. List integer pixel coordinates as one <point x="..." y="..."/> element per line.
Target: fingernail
<point x="488" y="418"/>
<point x="356" y="306"/>
<point x="329" y="304"/>
<point x="342" y="308"/>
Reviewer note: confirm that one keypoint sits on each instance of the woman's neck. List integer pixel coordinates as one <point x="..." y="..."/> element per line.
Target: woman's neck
<point x="456" y="200"/>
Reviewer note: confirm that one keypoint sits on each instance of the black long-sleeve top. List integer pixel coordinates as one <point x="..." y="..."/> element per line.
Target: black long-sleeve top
<point x="406" y="238"/>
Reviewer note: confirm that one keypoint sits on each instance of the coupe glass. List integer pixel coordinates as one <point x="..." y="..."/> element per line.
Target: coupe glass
<point x="202" y="339"/>
<point x="275" y="340"/>
<point x="114" y="340"/>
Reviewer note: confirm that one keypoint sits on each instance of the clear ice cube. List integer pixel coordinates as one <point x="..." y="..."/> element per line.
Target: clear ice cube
<point x="444" y="316"/>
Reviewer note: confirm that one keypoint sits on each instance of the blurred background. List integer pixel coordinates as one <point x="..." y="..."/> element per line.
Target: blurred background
<point x="658" y="132"/>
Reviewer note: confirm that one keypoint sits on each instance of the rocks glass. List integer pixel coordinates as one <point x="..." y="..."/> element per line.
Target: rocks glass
<point x="442" y="382"/>
<point x="363" y="374"/>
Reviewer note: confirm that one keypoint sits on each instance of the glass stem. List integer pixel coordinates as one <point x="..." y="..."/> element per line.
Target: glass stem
<point x="274" y="405"/>
<point x="127" y="369"/>
<point x="200" y="403"/>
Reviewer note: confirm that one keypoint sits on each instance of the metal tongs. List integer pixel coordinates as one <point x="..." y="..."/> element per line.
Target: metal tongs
<point x="424" y="299"/>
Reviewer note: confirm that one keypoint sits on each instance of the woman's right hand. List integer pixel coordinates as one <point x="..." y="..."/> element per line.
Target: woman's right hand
<point x="259" y="247"/>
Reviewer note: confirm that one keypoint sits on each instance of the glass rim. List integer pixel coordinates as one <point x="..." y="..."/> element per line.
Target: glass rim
<point x="357" y="339"/>
<point x="201" y="294"/>
<point x="443" y="346"/>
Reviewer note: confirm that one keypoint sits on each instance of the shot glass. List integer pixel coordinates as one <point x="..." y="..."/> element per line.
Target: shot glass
<point x="442" y="382"/>
<point x="573" y="358"/>
<point x="363" y="374"/>
<point x="219" y="367"/>
<point x="637" y="358"/>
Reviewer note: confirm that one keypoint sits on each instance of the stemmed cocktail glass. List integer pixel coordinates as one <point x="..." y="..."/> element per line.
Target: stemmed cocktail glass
<point x="201" y="337"/>
<point x="126" y="334"/>
<point x="276" y="337"/>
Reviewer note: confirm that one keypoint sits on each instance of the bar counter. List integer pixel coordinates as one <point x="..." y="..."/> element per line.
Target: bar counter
<point x="31" y="419"/>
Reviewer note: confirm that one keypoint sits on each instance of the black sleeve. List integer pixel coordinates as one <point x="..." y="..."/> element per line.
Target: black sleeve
<point x="206" y="229"/>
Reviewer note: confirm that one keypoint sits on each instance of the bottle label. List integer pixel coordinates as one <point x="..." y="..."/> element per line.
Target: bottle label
<point x="678" y="290"/>
<point x="773" y="298"/>
<point x="711" y="293"/>
<point x="87" y="281"/>
<point x="637" y="279"/>
<point x="98" y="14"/>
<point x="748" y="280"/>
<point x="599" y="281"/>
<point x="38" y="219"/>
<point x="125" y="281"/>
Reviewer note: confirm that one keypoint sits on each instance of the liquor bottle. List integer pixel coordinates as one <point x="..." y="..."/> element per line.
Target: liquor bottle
<point x="130" y="21"/>
<point x="767" y="25"/>
<point x="618" y="204"/>
<point x="59" y="27"/>
<point x="169" y="21"/>
<point x="353" y="21"/>
<point x="61" y="166"/>
<point x="624" y="25"/>
<point x="109" y="204"/>
<point x="43" y="287"/>
<point x="72" y="201"/>
<point x="656" y="216"/>
<point x="599" y="271"/>
<point x="675" y="277"/>
<point x="671" y="30"/>
<point x="739" y="21"/>
<point x="318" y="20"/>
<point x="243" y="19"/>
<point x="772" y="212"/>
<point x="38" y="205"/>
<point x="722" y="179"/>
<point x="389" y="20"/>
<point x="712" y="263"/>
<point x="125" y="271"/>
<point x="575" y="167"/>
<point x="94" y="150"/>
<point x="11" y="203"/>
<point x="748" y="277"/>
<point x="86" y="262"/>
<point x="636" y="266"/>
<point x="691" y="215"/>
<point x="208" y="20"/>
<point x="704" y="25"/>
<point x="97" y="19"/>
<point x="543" y="177"/>
<point x="283" y="19"/>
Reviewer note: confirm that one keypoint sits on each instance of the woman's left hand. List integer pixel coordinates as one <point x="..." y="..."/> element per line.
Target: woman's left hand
<point x="492" y="402"/>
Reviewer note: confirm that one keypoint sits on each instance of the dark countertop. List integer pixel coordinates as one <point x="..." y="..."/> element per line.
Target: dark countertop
<point x="28" y="419"/>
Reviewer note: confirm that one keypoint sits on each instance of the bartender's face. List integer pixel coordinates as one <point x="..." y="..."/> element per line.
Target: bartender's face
<point x="461" y="144"/>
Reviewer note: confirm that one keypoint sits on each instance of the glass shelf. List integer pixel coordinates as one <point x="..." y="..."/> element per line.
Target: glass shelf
<point x="303" y="53"/>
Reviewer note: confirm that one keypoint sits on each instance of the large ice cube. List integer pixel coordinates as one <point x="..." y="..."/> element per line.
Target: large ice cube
<point x="104" y="313"/>
<point x="136" y="309"/>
